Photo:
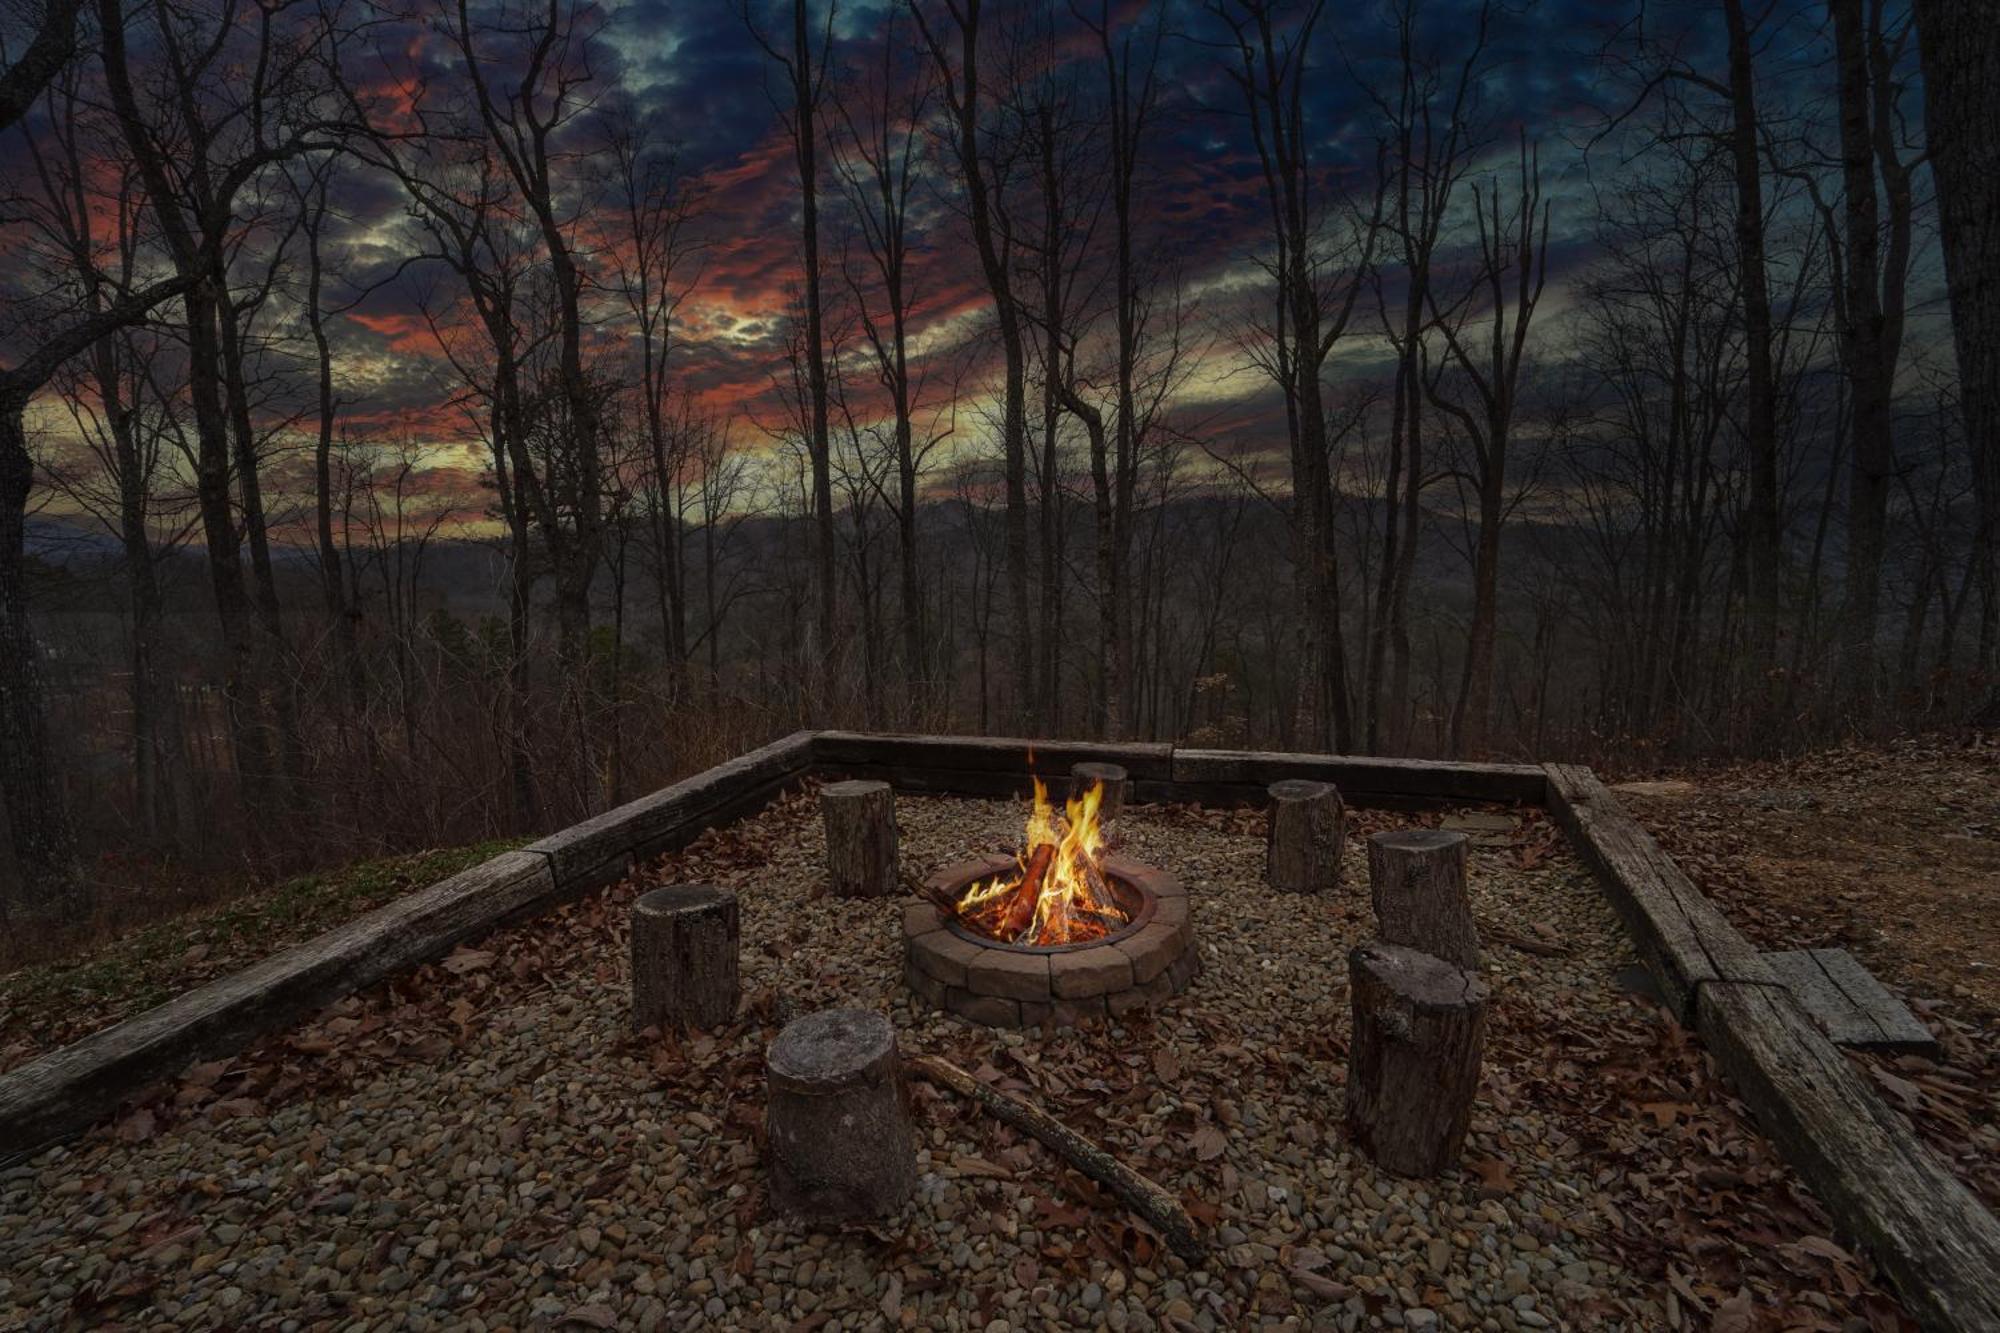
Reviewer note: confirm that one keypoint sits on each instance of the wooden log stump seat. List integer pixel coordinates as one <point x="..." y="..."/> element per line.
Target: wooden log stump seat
<point x="1117" y="786"/>
<point x="860" y="838"/>
<point x="1308" y="835"/>
<point x="684" y="956"/>
<point x="840" y="1142"/>
<point x="1417" y="880"/>
<point x="1413" y="1067"/>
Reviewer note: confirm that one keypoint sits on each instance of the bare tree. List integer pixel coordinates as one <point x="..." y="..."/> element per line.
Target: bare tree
<point x="1322" y="250"/>
<point x="655" y="269"/>
<point x="1432" y="128"/>
<point x="1517" y="244"/>
<point x="882" y="115"/>
<point x="1867" y="56"/>
<point x="226" y="101"/>
<point x="531" y="97"/>
<point x="1961" y="63"/>
<point x="805" y="76"/>
<point x="51" y="48"/>
<point x="1131" y="61"/>
<point x="985" y="172"/>
<point x="124" y="479"/>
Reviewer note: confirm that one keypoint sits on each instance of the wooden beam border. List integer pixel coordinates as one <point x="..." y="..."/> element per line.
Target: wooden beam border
<point x="64" y="1092"/>
<point x="1883" y="1185"/>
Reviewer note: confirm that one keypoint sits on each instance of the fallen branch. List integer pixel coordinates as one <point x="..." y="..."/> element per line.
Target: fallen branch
<point x="1147" y="1199"/>
<point x="937" y="898"/>
<point x="1524" y="943"/>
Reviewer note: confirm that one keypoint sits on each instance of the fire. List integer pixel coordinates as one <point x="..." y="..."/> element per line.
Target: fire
<point x="1058" y="893"/>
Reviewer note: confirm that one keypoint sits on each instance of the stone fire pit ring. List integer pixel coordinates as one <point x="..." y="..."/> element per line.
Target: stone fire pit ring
<point x="1011" y="986"/>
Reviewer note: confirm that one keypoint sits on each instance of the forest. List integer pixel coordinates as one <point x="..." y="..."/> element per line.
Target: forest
<point x="425" y="421"/>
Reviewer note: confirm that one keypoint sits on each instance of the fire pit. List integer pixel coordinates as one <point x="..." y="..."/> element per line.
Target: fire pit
<point x="1064" y="932"/>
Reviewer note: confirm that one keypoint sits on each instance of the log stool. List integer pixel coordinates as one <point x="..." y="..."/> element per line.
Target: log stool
<point x="1417" y="880"/>
<point x="840" y="1140"/>
<point x="860" y="838"/>
<point x="1308" y="834"/>
<point x="1413" y="1066"/>
<point x="684" y="942"/>
<point x="1117" y="787"/>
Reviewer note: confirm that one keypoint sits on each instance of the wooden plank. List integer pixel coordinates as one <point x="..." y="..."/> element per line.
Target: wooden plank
<point x="1862" y="1160"/>
<point x="599" y="850"/>
<point x="927" y="781"/>
<point x="1436" y="779"/>
<point x="841" y="749"/>
<point x="1259" y="795"/>
<point x="1680" y="936"/>
<point x="996" y="784"/>
<point x="66" y="1090"/>
<point x="1848" y="1003"/>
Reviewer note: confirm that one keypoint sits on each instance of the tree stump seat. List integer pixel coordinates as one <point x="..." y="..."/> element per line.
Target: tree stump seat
<point x="1417" y="881"/>
<point x="861" y="838"/>
<point x="1308" y="836"/>
<point x="1413" y="1064"/>
<point x="685" y="940"/>
<point x="840" y="1142"/>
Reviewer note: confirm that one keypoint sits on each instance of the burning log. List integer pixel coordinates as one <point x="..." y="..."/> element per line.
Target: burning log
<point x="1020" y="913"/>
<point x="684" y="956"/>
<point x="1145" y="1198"/>
<point x="860" y="838"/>
<point x="840" y="1140"/>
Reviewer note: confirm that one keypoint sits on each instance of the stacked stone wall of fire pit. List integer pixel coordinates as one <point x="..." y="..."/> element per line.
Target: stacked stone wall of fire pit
<point x="1002" y="986"/>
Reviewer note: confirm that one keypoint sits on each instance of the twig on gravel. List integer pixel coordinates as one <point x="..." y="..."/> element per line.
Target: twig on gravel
<point x="1147" y="1199"/>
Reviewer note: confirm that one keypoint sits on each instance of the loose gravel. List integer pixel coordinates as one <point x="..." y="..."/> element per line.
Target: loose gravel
<point x="546" y="1168"/>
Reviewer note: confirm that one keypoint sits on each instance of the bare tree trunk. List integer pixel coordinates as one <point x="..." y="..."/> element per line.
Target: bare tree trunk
<point x="1873" y="450"/>
<point x="341" y="614"/>
<point x="1960" y="47"/>
<point x="805" y="115"/>
<point x="41" y="852"/>
<point x="959" y="81"/>
<point x="1760" y="387"/>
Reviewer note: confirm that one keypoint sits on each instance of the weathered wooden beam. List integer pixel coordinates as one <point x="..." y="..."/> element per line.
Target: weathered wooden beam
<point x="66" y="1090"/>
<point x="1362" y="779"/>
<point x="1848" y="1003"/>
<point x="994" y="784"/>
<point x="600" y="850"/>
<point x="1225" y="794"/>
<point x="1680" y="936"/>
<point x="1884" y="1188"/>
<point x="63" y="1092"/>
<point x="841" y="750"/>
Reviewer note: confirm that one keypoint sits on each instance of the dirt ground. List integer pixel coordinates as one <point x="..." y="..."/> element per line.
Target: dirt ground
<point x="1892" y="853"/>
<point x="487" y="1144"/>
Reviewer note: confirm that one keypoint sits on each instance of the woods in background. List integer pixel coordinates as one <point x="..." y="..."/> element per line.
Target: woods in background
<point x="1477" y="428"/>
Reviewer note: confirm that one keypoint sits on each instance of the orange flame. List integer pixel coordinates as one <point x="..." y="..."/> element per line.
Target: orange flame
<point x="1058" y="892"/>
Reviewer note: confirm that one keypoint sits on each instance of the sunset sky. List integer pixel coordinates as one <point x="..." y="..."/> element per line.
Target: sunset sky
<point x="696" y="75"/>
<point x="699" y="75"/>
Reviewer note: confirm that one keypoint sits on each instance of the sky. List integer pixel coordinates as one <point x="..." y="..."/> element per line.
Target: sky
<point x="693" y="72"/>
<point x="699" y="77"/>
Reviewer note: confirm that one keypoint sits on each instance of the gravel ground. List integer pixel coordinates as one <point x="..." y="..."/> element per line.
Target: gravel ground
<point x="486" y="1146"/>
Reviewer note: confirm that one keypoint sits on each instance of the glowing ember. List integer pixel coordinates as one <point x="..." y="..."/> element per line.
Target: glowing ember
<point x="1058" y="892"/>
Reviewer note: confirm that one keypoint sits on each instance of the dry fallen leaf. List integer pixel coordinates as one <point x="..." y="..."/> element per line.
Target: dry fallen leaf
<point x="463" y="960"/>
<point x="136" y="1127"/>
